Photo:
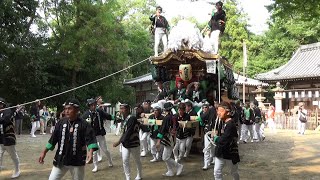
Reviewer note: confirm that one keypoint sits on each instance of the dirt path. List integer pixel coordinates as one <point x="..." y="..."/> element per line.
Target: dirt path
<point x="285" y="155"/>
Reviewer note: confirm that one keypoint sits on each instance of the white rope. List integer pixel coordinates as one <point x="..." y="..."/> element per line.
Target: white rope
<point x="73" y="89"/>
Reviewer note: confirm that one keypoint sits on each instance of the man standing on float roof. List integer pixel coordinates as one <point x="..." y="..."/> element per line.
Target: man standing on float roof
<point x="217" y="26"/>
<point x="161" y="28"/>
<point x="73" y="136"/>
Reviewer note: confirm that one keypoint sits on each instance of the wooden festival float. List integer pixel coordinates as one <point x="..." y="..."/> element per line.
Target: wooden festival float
<point x="186" y="62"/>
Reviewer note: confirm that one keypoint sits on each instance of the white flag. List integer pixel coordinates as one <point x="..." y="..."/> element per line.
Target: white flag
<point x="211" y="66"/>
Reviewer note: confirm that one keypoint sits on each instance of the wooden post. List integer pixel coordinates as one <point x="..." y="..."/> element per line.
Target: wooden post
<point x="245" y="62"/>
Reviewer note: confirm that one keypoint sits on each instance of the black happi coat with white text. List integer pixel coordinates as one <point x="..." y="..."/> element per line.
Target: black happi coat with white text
<point x="143" y="127"/>
<point x="209" y="119"/>
<point x="182" y="133"/>
<point x="73" y="139"/>
<point x="96" y="120"/>
<point x="7" y="135"/>
<point x="130" y="136"/>
<point x="227" y="147"/>
<point x="168" y="130"/>
<point x="155" y="128"/>
<point x="192" y="131"/>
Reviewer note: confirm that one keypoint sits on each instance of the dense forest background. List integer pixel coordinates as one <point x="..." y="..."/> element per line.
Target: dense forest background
<point x="49" y="46"/>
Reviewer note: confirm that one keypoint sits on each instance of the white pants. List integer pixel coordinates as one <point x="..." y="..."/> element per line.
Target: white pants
<point x="35" y="127"/>
<point x="118" y="131"/>
<point x="262" y="130"/>
<point x="126" y="160"/>
<point x="247" y="128"/>
<point x="77" y="172"/>
<point x="13" y="154"/>
<point x="208" y="152"/>
<point x="43" y="126"/>
<point x="143" y="140"/>
<point x="166" y="157"/>
<point x="301" y="127"/>
<point x="258" y="133"/>
<point x="271" y="125"/>
<point x="159" y="35"/>
<point x="179" y="148"/>
<point x="214" y="38"/>
<point x="240" y="132"/>
<point x="155" y="153"/>
<point x="103" y="147"/>
<point x="188" y="145"/>
<point x="218" y="166"/>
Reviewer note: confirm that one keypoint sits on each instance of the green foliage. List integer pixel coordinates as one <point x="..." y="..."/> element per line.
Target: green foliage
<point x="292" y="23"/>
<point x="236" y="31"/>
<point x="76" y="42"/>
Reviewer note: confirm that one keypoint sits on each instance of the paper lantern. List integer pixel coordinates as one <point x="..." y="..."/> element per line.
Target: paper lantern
<point x="290" y="94"/>
<point x="309" y="94"/>
<point x="296" y="94"/>
<point x="303" y="94"/>
<point x="284" y="95"/>
<point x="317" y="94"/>
<point x="185" y="72"/>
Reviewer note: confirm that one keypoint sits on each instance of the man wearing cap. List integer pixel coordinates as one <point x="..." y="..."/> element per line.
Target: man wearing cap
<point x="179" y="93"/>
<point x="182" y="133"/>
<point x="166" y="137"/>
<point x="95" y="117"/>
<point x="35" y="117"/>
<point x="154" y="130"/>
<point x="76" y="143"/>
<point x="196" y="95"/>
<point x="226" y="150"/>
<point x="248" y="120"/>
<point x="208" y="118"/>
<point x="129" y="141"/>
<point x="161" y="26"/>
<point x="217" y="26"/>
<point x="144" y="129"/>
<point x="191" y="112"/>
<point x="8" y="138"/>
<point x="302" y="118"/>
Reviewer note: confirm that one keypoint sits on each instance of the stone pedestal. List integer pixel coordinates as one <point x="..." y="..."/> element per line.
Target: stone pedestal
<point x="278" y="98"/>
<point x="259" y="96"/>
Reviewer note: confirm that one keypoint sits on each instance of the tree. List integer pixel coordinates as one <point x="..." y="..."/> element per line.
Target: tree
<point x="289" y="27"/>
<point x="21" y="52"/>
<point x="236" y="31"/>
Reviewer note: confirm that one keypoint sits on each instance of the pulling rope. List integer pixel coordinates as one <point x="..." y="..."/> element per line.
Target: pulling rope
<point x="84" y="85"/>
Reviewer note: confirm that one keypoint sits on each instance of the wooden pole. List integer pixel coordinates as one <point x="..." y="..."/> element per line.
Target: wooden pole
<point x="245" y="62"/>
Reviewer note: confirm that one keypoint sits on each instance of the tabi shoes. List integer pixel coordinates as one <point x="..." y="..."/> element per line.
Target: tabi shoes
<point x="179" y="169"/>
<point x="16" y="174"/>
<point x="168" y="174"/>
<point x="154" y="160"/>
<point x="143" y="154"/>
<point x="205" y="168"/>
<point x="95" y="169"/>
<point x="138" y="178"/>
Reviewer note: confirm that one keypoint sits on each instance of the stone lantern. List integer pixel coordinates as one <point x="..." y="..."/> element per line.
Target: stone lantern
<point x="278" y="98"/>
<point x="260" y="95"/>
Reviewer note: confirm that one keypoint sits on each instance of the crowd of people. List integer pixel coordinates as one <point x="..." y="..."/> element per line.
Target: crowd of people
<point x="80" y="137"/>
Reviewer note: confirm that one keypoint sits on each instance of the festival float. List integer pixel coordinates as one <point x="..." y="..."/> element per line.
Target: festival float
<point x="189" y="59"/>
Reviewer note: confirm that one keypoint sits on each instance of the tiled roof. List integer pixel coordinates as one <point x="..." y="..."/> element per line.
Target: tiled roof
<point x="305" y="63"/>
<point x="139" y="79"/>
<point x="239" y="80"/>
